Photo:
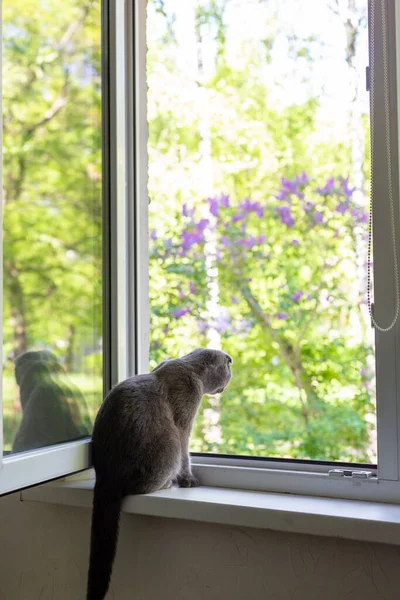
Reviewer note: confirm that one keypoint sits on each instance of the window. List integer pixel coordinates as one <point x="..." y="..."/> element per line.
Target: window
<point x="52" y="236"/>
<point x="259" y="178"/>
<point x="259" y="128"/>
<point x="68" y="329"/>
<point x="248" y="122"/>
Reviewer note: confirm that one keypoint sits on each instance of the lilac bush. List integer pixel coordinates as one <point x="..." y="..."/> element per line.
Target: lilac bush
<point x="286" y="276"/>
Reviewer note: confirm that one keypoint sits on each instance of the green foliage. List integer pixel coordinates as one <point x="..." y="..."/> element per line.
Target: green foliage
<point x="291" y="310"/>
<point x="288" y="303"/>
<point x="52" y="181"/>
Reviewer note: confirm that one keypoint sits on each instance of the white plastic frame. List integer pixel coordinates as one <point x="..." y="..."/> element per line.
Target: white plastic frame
<point x="29" y="468"/>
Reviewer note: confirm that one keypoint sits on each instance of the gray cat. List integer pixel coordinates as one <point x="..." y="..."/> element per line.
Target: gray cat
<point x="141" y="444"/>
<point x="53" y="410"/>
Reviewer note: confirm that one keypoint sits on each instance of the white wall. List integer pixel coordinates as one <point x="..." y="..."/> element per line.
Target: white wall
<point x="44" y="553"/>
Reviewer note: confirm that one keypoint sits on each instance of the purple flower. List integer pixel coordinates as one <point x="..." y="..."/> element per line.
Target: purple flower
<point x="188" y="212"/>
<point x="192" y="288"/>
<point x="248" y="206"/>
<point x="292" y="187"/>
<point x="308" y="206"/>
<point x="222" y="322"/>
<point x="237" y="217"/>
<point x="243" y="326"/>
<point x="261" y="239"/>
<point x="180" y="312"/>
<point x="202" y="326"/>
<point x="258" y="209"/>
<point x="282" y="316"/>
<point x="295" y="243"/>
<point x="224" y="201"/>
<point x="248" y="244"/>
<point x="303" y="179"/>
<point x="202" y="225"/>
<point x="348" y="191"/>
<point x="225" y="241"/>
<point x="234" y="300"/>
<point x="281" y="195"/>
<point x="260" y="212"/>
<point x="342" y="207"/>
<point x="189" y="239"/>
<point x="285" y="216"/>
<point x="328" y="188"/>
<point x="296" y="297"/>
<point x="318" y="217"/>
<point x="288" y="186"/>
<point x="213" y="206"/>
<point x="360" y="215"/>
<point x="153" y="235"/>
<point x="196" y="236"/>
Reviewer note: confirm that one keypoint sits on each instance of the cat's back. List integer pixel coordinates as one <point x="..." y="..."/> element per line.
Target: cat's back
<point x="134" y="401"/>
<point x="133" y="424"/>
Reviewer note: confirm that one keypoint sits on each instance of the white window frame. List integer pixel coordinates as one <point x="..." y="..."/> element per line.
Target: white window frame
<point x="126" y="285"/>
<point x="25" y="469"/>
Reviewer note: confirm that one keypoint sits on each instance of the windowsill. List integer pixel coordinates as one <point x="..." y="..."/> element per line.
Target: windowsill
<point x="351" y="519"/>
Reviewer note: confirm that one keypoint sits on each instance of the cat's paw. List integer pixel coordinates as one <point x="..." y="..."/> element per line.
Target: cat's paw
<point x="168" y="484"/>
<point x="186" y="481"/>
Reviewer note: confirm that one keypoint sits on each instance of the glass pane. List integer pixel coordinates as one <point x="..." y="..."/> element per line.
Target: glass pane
<point x="52" y="381"/>
<point x="259" y="181"/>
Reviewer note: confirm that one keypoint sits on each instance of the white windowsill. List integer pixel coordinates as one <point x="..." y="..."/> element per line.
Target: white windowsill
<point x="351" y="519"/>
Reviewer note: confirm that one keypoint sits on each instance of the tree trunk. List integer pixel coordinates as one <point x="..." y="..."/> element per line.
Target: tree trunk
<point x="70" y="348"/>
<point x="307" y="395"/>
<point x="17" y="304"/>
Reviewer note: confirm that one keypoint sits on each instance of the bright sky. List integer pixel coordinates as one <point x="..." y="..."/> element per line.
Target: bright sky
<point x="292" y="81"/>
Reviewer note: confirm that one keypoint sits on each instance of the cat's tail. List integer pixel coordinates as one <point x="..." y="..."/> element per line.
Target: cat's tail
<point x="103" y="542"/>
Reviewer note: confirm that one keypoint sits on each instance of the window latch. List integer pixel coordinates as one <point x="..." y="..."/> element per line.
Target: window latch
<point x="348" y="473"/>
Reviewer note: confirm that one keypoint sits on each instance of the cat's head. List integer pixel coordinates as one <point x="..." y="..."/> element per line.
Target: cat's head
<point x="35" y="362"/>
<point x="213" y="367"/>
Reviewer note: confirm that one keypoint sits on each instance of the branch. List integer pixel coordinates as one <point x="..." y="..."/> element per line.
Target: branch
<point x="287" y="350"/>
<point x="57" y="105"/>
<point x="54" y="109"/>
<point x="74" y="26"/>
<point x="316" y="305"/>
<point x="61" y="47"/>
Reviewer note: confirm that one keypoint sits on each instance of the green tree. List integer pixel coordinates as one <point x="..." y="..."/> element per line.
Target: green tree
<point x="52" y="179"/>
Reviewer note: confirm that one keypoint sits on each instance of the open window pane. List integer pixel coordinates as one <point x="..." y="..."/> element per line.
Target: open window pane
<point x="259" y="182"/>
<point x="52" y="216"/>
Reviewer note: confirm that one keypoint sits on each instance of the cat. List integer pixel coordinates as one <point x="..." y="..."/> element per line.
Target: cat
<point x="51" y="409"/>
<point x="140" y="444"/>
